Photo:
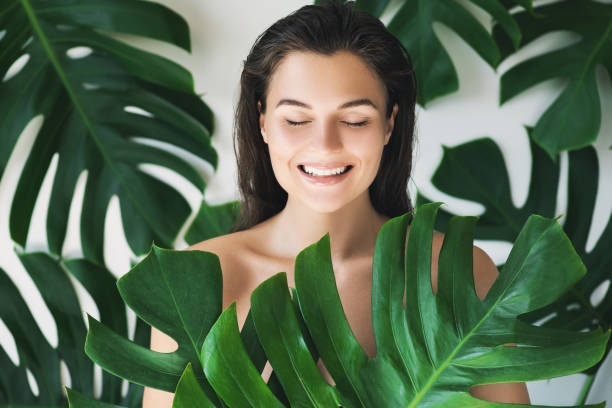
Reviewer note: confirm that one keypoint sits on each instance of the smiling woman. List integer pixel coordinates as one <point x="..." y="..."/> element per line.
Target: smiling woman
<point x="310" y="139"/>
<point x="324" y="135"/>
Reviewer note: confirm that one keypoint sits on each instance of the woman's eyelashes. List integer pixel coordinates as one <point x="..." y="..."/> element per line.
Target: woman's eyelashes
<point x="350" y="124"/>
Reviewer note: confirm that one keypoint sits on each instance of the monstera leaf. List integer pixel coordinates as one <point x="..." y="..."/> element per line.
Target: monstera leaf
<point x="462" y="166"/>
<point x="573" y="120"/>
<point x="95" y="95"/>
<point x="212" y="221"/>
<point x="42" y="360"/>
<point x="412" y="24"/>
<point x="162" y="291"/>
<point x="428" y="354"/>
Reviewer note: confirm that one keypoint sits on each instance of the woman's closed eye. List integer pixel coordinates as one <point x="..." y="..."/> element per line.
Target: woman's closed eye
<point x="351" y="124"/>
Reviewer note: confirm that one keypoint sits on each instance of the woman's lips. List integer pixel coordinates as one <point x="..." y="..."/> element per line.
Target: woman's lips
<point x="330" y="165"/>
<point x="326" y="179"/>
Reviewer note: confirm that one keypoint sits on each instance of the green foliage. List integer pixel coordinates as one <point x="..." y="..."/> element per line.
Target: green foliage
<point x="60" y="60"/>
<point x="162" y="292"/>
<point x="212" y="221"/>
<point x="37" y="355"/>
<point x="412" y="24"/>
<point x="83" y="100"/>
<point x="188" y="392"/>
<point x="428" y="354"/>
<point x="573" y="120"/>
<point x="462" y="166"/>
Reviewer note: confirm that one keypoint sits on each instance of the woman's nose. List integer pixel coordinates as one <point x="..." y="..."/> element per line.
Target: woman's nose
<point x="327" y="137"/>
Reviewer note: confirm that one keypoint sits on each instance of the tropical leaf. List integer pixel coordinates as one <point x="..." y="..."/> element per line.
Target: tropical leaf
<point x="188" y="392"/>
<point x="573" y="120"/>
<point x="444" y="344"/>
<point x="462" y="166"/>
<point x="96" y="94"/>
<point x="77" y="399"/>
<point x="412" y="24"/>
<point x="38" y="356"/>
<point x="163" y="291"/>
<point x="460" y="174"/>
<point x="212" y="221"/>
<point x="229" y="368"/>
<point x="428" y="354"/>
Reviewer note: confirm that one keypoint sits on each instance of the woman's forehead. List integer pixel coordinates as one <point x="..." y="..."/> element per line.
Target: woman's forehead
<point x="314" y="78"/>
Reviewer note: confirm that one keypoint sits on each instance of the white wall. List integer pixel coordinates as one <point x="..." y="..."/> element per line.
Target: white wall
<point x="222" y="34"/>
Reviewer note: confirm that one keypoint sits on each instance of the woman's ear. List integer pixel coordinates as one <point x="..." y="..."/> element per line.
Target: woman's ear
<point x="261" y="122"/>
<point x="391" y="123"/>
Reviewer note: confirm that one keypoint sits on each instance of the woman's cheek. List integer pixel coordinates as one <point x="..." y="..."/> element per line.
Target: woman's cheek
<point x="285" y="145"/>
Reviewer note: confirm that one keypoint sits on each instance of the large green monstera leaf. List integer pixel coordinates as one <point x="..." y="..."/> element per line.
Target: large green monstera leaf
<point x="412" y="24"/>
<point x="96" y="95"/>
<point x="42" y="360"/>
<point x="573" y="120"/>
<point x="428" y="354"/>
<point x="462" y="166"/>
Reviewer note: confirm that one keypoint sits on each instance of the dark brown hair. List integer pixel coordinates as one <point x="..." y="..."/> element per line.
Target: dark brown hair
<point x="323" y="28"/>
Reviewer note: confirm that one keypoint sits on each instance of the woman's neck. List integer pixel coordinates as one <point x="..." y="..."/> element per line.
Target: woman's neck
<point x="353" y="229"/>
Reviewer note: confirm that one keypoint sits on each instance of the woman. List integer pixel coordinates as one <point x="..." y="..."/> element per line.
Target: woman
<point x="324" y="134"/>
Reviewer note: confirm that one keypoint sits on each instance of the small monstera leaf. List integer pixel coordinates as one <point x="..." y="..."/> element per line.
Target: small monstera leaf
<point x="573" y="120"/>
<point x="413" y="26"/>
<point x="212" y="221"/>
<point x="460" y="174"/>
<point x="428" y="354"/>
<point x="37" y="355"/>
<point x="179" y="293"/>
<point x="96" y="94"/>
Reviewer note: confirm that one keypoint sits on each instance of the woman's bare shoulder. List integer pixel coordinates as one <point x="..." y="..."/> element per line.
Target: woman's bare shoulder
<point x="222" y="244"/>
<point x="234" y="252"/>
<point x="485" y="271"/>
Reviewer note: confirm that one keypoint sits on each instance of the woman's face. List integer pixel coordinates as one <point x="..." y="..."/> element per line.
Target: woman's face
<point x="325" y="127"/>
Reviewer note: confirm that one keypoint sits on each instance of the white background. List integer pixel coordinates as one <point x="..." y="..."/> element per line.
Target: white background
<point x="222" y="34"/>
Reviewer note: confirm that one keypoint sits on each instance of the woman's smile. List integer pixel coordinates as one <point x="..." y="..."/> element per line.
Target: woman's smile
<point x="324" y="174"/>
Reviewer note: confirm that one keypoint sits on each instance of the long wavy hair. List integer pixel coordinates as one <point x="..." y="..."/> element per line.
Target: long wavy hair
<point x="324" y="28"/>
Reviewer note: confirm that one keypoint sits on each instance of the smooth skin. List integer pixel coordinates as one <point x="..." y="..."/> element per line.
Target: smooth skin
<point x="306" y="122"/>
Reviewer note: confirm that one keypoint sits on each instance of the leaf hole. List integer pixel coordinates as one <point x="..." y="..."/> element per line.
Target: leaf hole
<point x="125" y="387"/>
<point x="573" y="306"/>
<point x="78" y="52"/>
<point x="88" y="305"/>
<point x="32" y="382"/>
<point x="97" y="385"/>
<point x="545" y="319"/>
<point x="2" y="34"/>
<point x="90" y="87"/>
<point x="16" y="67"/>
<point x="65" y="377"/>
<point x="138" y="111"/>
<point x="27" y="42"/>
<point x="7" y="342"/>
<point x="599" y="293"/>
<point x="64" y="27"/>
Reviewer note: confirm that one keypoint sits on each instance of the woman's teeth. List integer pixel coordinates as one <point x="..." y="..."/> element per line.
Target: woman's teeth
<point x="324" y="172"/>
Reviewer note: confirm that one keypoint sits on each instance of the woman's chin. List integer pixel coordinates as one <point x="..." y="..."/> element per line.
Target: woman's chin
<point x="328" y="205"/>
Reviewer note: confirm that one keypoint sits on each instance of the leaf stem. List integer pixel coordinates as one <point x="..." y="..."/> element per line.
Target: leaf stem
<point x="588" y="384"/>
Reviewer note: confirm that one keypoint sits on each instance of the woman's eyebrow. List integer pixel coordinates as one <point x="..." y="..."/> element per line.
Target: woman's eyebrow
<point x="349" y="104"/>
